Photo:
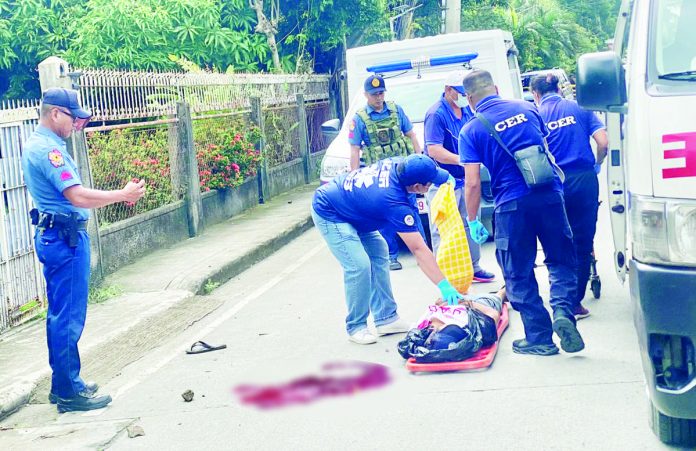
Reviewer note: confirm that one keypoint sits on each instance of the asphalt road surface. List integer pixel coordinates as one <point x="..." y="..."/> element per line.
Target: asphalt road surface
<point x="282" y="320"/>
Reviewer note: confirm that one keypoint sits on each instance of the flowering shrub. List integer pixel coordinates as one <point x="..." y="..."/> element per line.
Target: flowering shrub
<point x="224" y="148"/>
<point x="225" y="152"/>
<point x="121" y="155"/>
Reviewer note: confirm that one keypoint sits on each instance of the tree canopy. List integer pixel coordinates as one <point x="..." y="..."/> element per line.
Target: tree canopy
<point x="307" y="35"/>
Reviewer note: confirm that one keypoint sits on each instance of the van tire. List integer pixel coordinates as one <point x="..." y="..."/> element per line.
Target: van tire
<point x="672" y="431"/>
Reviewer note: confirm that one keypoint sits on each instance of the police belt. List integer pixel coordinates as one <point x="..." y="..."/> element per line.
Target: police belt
<point x="67" y="225"/>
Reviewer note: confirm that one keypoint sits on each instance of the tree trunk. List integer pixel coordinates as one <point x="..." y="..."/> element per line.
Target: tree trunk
<point x="266" y="27"/>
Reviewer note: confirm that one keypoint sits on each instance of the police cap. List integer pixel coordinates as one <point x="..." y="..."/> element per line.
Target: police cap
<point x="374" y="84"/>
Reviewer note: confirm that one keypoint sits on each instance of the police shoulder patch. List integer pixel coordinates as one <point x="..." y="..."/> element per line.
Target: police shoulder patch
<point x="56" y="158"/>
<point x="408" y="219"/>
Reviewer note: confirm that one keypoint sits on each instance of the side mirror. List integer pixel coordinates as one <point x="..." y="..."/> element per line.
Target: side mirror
<point x="330" y="129"/>
<point x="601" y="82"/>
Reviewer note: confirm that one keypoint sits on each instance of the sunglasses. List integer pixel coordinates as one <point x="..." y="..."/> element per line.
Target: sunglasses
<point x="78" y="123"/>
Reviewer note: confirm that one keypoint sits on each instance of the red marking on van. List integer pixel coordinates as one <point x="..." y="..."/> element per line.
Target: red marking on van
<point x="688" y="153"/>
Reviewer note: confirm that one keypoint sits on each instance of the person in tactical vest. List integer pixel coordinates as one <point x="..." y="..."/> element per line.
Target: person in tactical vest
<point x="382" y="130"/>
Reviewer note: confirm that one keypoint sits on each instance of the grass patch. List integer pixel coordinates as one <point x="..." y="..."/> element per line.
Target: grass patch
<point x="97" y="295"/>
<point x="210" y="286"/>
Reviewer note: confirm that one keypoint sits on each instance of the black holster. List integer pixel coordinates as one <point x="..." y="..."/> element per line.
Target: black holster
<point x="68" y="226"/>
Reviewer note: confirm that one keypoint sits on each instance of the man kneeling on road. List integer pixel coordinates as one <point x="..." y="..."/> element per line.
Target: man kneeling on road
<point x="349" y="211"/>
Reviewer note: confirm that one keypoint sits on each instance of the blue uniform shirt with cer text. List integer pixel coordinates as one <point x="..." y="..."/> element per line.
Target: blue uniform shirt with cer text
<point x="370" y="198"/>
<point x="519" y="125"/>
<point x="570" y="128"/>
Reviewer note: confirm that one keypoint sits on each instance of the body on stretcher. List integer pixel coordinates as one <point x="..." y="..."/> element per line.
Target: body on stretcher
<point x="482" y="359"/>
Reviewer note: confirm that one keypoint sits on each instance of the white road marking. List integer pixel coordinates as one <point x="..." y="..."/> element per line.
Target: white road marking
<point x="174" y="350"/>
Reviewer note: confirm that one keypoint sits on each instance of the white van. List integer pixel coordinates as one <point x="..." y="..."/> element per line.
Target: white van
<point x="415" y="90"/>
<point x="647" y="86"/>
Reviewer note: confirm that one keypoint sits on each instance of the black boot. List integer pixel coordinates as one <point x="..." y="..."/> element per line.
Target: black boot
<point x="90" y="388"/>
<point x="522" y="346"/>
<point x="571" y="340"/>
<point x="83" y="402"/>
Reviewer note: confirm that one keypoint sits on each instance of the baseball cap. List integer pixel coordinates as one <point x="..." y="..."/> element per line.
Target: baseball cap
<point x="421" y="169"/>
<point x="455" y="79"/>
<point x="67" y="98"/>
<point x="374" y="84"/>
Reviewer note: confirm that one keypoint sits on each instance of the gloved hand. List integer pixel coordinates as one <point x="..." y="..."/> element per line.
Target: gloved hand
<point x="449" y="293"/>
<point x="478" y="232"/>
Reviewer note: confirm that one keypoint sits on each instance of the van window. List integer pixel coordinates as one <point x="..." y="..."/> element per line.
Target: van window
<point x="415" y="98"/>
<point x="675" y="35"/>
<point x="673" y="43"/>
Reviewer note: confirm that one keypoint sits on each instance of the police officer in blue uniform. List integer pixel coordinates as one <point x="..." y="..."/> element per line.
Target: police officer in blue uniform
<point x="349" y="211"/>
<point x="382" y="130"/>
<point x="443" y="122"/>
<point x="522" y="215"/>
<point x="570" y="128"/>
<point x="62" y="243"/>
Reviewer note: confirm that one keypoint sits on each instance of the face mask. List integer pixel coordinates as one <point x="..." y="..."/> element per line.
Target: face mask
<point x="461" y="102"/>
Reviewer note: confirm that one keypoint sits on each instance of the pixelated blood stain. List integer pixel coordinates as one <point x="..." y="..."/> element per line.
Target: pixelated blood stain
<point x="358" y="376"/>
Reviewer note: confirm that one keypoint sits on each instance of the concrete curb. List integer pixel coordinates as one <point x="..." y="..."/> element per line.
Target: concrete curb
<point x="240" y="264"/>
<point x="21" y="393"/>
<point x="16" y="397"/>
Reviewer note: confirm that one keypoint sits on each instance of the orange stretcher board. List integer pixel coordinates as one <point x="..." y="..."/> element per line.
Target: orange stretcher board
<point x="482" y="359"/>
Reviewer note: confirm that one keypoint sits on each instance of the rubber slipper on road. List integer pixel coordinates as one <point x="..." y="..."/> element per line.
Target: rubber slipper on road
<point x="200" y="347"/>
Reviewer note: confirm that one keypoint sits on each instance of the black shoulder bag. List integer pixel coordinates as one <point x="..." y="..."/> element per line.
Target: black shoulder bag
<point x="536" y="164"/>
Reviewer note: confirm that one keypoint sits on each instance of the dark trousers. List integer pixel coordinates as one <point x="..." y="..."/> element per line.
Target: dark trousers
<point x="390" y="235"/>
<point x="66" y="270"/>
<point x="581" y="193"/>
<point x="540" y="214"/>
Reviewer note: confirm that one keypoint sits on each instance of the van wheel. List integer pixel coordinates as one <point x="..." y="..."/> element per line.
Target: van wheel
<point x="672" y="431"/>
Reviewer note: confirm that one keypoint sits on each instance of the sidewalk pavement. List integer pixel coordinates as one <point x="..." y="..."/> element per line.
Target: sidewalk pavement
<point x="156" y="283"/>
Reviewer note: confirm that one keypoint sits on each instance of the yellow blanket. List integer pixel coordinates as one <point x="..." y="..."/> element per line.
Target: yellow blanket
<point x="453" y="255"/>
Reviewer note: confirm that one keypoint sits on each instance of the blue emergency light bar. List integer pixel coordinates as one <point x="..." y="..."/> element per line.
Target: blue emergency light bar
<point x="422" y="62"/>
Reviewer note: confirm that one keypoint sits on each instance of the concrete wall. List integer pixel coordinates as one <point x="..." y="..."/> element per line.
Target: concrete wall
<point x="285" y="177"/>
<point x="220" y="205"/>
<point x="126" y="240"/>
<point x="315" y="164"/>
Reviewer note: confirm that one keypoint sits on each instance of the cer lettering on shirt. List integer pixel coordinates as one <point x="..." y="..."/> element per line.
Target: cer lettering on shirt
<point x="562" y="122"/>
<point x="510" y="122"/>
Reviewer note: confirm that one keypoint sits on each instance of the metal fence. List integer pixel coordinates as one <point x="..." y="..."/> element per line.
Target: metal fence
<point x="116" y="95"/>
<point x="133" y="153"/>
<point x="22" y="287"/>
<point x="317" y="114"/>
<point x="221" y="128"/>
<point x="282" y="134"/>
<point x="134" y="134"/>
<point x="224" y="146"/>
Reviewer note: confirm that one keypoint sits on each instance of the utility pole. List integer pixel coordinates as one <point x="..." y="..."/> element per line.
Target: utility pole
<point x="400" y="22"/>
<point x="452" y="15"/>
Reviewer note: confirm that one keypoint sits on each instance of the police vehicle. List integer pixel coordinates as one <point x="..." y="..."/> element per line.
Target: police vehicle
<point x="415" y="72"/>
<point x="647" y="87"/>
